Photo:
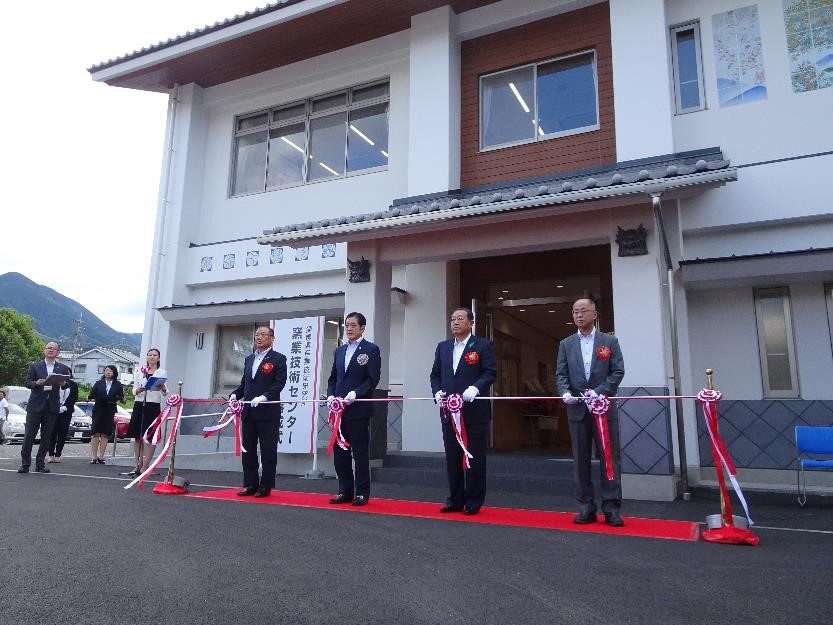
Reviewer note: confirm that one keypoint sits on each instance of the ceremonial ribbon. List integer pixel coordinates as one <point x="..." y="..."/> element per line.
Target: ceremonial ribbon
<point x="171" y="402"/>
<point x="336" y="406"/>
<point x="453" y="405"/>
<point x="709" y="399"/>
<point x="155" y="427"/>
<point x="599" y="406"/>
<point x="232" y="414"/>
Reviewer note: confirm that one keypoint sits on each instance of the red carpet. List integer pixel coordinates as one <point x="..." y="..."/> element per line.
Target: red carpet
<point x="646" y="528"/>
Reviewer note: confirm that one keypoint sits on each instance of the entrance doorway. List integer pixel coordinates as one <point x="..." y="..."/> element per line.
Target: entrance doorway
<point x="523" y="303"/>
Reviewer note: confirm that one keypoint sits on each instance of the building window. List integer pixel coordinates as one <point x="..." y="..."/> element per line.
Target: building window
<point x="687" y="64"/>
<point x="775" y="342"/>
<point x="233" y="345"/>
<point x="79" y="369"/>
<point x="328" y="136"/>
<point x="540" y="101"/>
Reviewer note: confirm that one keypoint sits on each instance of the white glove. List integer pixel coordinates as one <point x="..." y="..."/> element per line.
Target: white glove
<point x="350" y="397"/>
<point x="569" y="399"/>
<point x="330" y="399"/>
<point x="439" y="396"/>
<point x="62" y="409"/>
<point x="257" y="400"/>
<point x="470" y="393"/>
<point x="590" y="394"/>
<point x="232" y="397"/>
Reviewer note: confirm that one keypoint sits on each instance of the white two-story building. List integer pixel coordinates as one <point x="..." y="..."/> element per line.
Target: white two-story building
<point x="671" y="157"/>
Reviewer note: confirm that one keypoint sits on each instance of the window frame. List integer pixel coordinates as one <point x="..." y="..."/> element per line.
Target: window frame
<point x="693" y="25"/>
<point x="536" y="135"/>
<point x="307" y="117"/>
<point x="768" y="393"/>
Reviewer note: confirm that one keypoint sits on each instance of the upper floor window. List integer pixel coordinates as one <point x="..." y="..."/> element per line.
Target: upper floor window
<point x="323" y="137"/>
<point x="775" y="342"/>
<point x="688" y="68"/>
<point x="539" y="101"/>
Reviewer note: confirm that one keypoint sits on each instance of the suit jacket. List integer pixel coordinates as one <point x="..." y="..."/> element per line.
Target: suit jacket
<point x="40" y="400"/>
<point x="360" y="377"/>
<point x="105" y="403"/>
<point x="71" y="398"/>
<point x="481" y="374"/>
<point x="269" y="383"/>
<point x="605" y="373"/>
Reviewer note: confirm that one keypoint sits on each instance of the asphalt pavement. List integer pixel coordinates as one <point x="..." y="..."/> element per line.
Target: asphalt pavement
<point x="76" y="548"/>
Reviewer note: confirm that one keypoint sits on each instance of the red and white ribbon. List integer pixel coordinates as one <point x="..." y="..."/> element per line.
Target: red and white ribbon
<point x="174" y="401"/>
<point x="709" y="399"/>
<point x="453" y="406"/>
<point x="155" y="428"/>
<point x="232" y="414"/>
<point x="599" y="407"/>
<point x="336" y="406"/>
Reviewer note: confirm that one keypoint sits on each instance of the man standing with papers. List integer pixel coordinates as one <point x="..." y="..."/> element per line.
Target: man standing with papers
<point x="44" y="378"/>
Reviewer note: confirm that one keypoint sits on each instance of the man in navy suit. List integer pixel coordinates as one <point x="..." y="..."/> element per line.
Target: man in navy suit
<point x="589" y="364"/>
<point x="466" y="365"/>
<point x="42" y="408"/>
<point x="264" y="376"/>
<point x="357" y="366"/>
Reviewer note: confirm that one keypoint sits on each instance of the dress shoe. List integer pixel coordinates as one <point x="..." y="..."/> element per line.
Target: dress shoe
<point x="263" y="492"/>
<point x="23" y="470"/>
<point x="470" y="510"/>
<point x="585" y="516"/>
<point x="247" y="492"/>
<point x="613" y="519"/>
<point x="341" y="498"/>
<point x="360" y="500"/>
<point x="42" y="470"/>
<point x="446" y="509"/>
<point x="101" y="461"/>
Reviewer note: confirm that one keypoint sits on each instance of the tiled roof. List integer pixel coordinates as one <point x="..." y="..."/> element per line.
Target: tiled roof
<point x="192" y="34"/>
<point x="251" y="301"/>
<point x="626" y="178"/>
<point x="772" y="254"/>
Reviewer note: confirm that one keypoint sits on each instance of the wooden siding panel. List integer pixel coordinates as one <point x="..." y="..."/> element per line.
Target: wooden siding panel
<point x="531" y="43"/>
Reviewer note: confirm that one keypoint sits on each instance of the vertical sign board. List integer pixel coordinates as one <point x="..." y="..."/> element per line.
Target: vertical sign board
<point x="301" y="341"/>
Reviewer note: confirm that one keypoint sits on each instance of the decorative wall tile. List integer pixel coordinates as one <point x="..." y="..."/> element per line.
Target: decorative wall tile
<point x="739" y="63"/>
<point x="809" y="28"/>
<point x="206" y="263"/>
<point x="252" y="258"/>
<point x="328" y="250"/>
<point x="301" y="253"/>
<point x="228" y="261"/>
<point x="275" y="255"/>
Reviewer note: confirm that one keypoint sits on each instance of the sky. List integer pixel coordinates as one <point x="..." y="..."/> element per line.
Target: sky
<point x="81" y="162"/>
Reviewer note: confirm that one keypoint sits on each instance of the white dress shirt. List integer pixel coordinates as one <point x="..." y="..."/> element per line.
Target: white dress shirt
<point x="259" y="356"/>
<point x="459" y="348"/>
<point x="587" y="350"/>
<point x="50" y="367"/>
<point x="352" y="346"/>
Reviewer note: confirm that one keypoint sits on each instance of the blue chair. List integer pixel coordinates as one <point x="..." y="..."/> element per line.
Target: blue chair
<point x="816" y="441"/>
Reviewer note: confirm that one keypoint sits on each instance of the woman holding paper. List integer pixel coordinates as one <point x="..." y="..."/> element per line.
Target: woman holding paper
<point x="105" y="393"/>
<point x="146" y="407"/>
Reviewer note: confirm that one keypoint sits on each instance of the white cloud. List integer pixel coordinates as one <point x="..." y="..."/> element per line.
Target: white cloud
<point x="81" y="160"/>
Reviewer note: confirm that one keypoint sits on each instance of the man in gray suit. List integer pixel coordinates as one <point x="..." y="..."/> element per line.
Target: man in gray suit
<point x="589" y="364"/>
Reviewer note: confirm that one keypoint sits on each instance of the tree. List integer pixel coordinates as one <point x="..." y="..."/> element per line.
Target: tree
<point x="19" y="345"/>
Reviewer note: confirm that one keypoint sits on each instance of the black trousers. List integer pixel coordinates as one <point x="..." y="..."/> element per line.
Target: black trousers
<point x="357" y="433"/>
<point x="265" y="434"/>
<point x="43" y="421"/>
<point x="583" y="435"/>
<point x="59" y="433"/>
<point x="466" y="487"/>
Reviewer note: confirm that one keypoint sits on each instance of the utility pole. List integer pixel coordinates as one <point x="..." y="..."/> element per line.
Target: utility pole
<point x="76" y="341"/>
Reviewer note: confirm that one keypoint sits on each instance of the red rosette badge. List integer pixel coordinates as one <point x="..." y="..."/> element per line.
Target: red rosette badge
<point x="267" y="367"/>
<point x="472" y="358"/>
<point x="454" y="402"/>
<point x="603" y="352"/>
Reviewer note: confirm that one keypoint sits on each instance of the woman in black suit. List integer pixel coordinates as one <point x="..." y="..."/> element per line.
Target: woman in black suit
<point x="67" y="396"/>
<point x="106" y="392"/>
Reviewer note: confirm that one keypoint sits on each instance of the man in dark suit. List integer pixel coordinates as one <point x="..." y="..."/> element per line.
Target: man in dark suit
<point x="589" y="364"/>
<point x="465" y="364"/>
<point x="43" y="407"/>
<point x="67" y="397"/>
<point x="264" y="376"/>
<point x="357" y="366"/>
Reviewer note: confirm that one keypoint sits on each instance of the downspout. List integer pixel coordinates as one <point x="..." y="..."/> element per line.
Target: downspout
<point x="157" y="255"/>
<point x="656" y="201"/>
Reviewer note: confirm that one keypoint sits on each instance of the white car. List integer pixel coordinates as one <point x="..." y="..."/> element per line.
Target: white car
<point x="14" y="427"/>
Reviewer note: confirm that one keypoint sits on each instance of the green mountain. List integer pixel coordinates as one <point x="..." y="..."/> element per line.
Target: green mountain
<point x="54" y="315"/>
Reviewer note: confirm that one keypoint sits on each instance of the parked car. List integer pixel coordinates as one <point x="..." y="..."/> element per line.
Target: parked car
<point x="80" y="426"/>
<point x="121" y="421"/>
<point x="15" y="425"/>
